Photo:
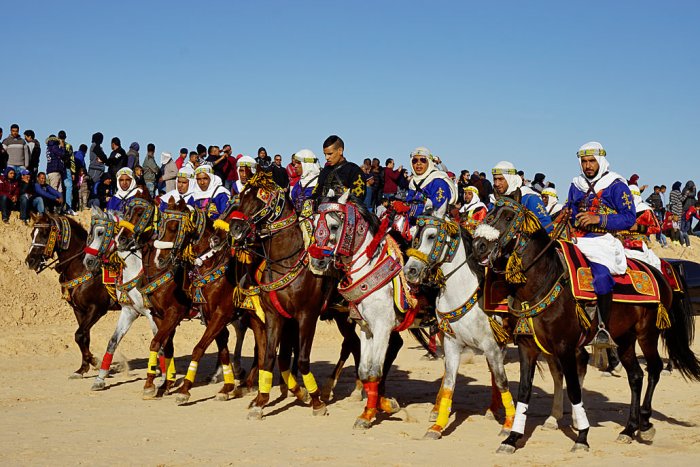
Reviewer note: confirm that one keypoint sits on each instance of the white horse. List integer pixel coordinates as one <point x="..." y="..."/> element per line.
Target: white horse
<point x="100" y="245"/>
<point x="440" y="245"/>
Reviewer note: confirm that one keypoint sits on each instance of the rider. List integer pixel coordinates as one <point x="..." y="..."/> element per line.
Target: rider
<point x="550" y="199"/>
<point x="474" y="211"/>
<point x="428" y="184"/>
<point x="601" y="203"/>
<point x="507" y="182"/>
<point x="246" y="167"/>
<point x="126" y="189"/>
<point x="636" y="244"/>
<point x="338" y="175"/>
<point x="307" y="167"/>
<point x="186" y="185"/>
<point x="210" y="194"/>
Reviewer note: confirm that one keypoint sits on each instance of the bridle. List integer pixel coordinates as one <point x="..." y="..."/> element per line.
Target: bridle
<point x="189" y="224"/>
<point x="444" y="249"/>
<point x="58" y="239"/>
<point x="107" y="243"/>
<point x="268" y="216"/>
<point x="146" y="222"/>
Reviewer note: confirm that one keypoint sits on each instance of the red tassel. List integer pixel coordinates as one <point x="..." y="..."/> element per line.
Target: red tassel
<point x="381" y="233"/>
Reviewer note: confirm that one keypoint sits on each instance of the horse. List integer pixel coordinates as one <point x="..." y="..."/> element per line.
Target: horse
<point x="187" y="236"/>
<point x="100" y="250"/>
<point x="82" y="289"/>
<point x="551" y="321"/>
<point x="348" y="237"/>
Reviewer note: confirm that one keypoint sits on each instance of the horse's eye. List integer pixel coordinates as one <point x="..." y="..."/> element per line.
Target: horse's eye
<point x="334" y="228"/>
<point x="99" y="234"/>
<point x="509" y="218"/>
<point x="431" y="236"/>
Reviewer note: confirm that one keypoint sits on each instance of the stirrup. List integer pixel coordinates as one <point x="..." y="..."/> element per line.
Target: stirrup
<point x="603" y="339"/>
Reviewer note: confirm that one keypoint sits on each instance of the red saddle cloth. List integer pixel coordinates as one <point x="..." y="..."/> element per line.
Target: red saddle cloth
<point x="637" y="285"/>
<point x="671" y="276"/>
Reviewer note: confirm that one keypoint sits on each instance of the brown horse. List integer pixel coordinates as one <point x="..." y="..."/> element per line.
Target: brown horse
<point x="187" y="236"/>
<point x="65" y="238"/>
<point x="551" y="321"/>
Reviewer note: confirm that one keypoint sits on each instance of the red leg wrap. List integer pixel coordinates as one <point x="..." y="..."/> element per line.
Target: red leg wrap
<point x="106" y="361"/>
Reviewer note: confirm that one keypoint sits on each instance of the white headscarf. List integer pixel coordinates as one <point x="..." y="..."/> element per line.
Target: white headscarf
<point x="165" y="157"/>
<point x="553" y="203"/>
<point x="430" y="174"/>
<point x="639" y="204"/>
<point x="604" y="177"/>
<point x="310" y="168"/>
<point x="215" y="185"/>
<point x="188" y="173"/>
<point x="246" y="161"/>
<point x="475" y="203"/>
<point x="510" y="173"/>
<point x="132" y="190"/>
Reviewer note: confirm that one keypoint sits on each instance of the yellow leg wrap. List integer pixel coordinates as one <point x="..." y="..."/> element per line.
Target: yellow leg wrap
<point x="228" y="374"/>
<point x="289" y="380"/>
<point x="310" y="382"/>
<point x="152" y="363"/>
<point x="507" y="399"/>
<point x="172" y="372"/>
<point x="191" y="372"/>
<point x="265" y="381"/>
<point x="445" y="408"/>
<point x="258" y="308"/>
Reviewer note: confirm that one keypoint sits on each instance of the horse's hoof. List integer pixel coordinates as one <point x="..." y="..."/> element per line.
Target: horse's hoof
<point x="489" y="415"/>
<point x="580" y="447"/>
<point x="648" y="435"/>
<point x="624" y="439"/>
<point x="550" y="424"/>
<point x="149" y="393"/>
<point x="433" y="416"/>
<point x="505" y="449"/>
<point x="389" y="405"/>
<point x="504" y="432"/>
<point x="432" y="434"/>
<point x="181" y="398"/>
<point x="303" y="395"/>
<point x="356" y="394"/>
<point x="98" y="385"/>
<point x="322" y="410"/>
<point x="76" y="375"/>
<point x="255" y="413"/>
<point x="222" y="396"/>
<point x="362" y="424"/>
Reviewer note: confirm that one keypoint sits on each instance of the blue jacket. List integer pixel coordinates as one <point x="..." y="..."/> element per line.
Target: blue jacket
<point x="437" y="191"/>
<point x="54" y="157"/>
<point x="117" y="204"/>
<point x="536" y="206"/>
<point x="614" y="204"/>
<point x="212" y="206"/>
<point x="46" y="191"/>
<point x="299" y="196"/>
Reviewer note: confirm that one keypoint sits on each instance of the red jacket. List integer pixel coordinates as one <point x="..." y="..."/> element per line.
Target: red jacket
<point x="391" y="180"/>
<point x="9" y="188"/>
<point x="692" y="212"/>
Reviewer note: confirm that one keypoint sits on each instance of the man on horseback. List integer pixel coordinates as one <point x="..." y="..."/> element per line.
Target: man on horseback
<point x="338" y="175"/>
<point x="550" y="199"/>
<point x="636" y="243"/>
<point x="126" y="189"/>
<point x="307" y="166"/>
<point x="210" y="194"/>
<point x="474" y="211"/>
<point x="507" y="182"/>
<point x="428" y="184"/>
<point x="246" y="168"/>
<point x="601" y="203"/>
<point x="186" y="185"/>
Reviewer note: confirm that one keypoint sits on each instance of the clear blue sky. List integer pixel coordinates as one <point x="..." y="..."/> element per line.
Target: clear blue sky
<point x="476" y="82"/>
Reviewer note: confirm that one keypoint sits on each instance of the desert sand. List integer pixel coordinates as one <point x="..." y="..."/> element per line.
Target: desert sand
<point x="49" y="419"/>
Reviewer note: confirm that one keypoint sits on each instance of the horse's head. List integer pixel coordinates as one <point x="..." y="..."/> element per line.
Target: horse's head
<point x="261" y="202"/>
<point x="100" y="242"/>
<point x="435" y="241"/>
<point x="179" y="229"/>
<point x="137" y="223"/>
<point x="500" y="233"/>
<point x="42" y="248"/>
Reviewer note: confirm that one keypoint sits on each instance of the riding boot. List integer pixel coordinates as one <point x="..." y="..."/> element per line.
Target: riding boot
<point x="603" y="338"/>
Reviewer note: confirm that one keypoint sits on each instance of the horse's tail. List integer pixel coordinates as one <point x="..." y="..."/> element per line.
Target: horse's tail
<point x="423" y="338"/>
<point x="679" y="337"/>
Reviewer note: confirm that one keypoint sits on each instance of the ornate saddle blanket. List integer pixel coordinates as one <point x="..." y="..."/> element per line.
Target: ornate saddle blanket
<point x="671" y="276"/>
<point x="638" y="285"/>
<point x="495" y="293"/>
<point x="110" y="276"/>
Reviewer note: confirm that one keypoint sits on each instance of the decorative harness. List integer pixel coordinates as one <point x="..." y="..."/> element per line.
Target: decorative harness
<point x="147" y="221"/>
<point x="447" y="240"/>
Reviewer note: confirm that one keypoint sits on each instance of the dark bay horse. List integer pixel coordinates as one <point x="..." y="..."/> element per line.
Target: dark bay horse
<point x="83" y="290"/>
<point x="551" y="322"/>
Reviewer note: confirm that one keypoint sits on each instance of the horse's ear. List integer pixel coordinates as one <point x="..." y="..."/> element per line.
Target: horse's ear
<point x="181" y="204"/>
<point x="171" y="203"/>
<point x="344" y="198"/>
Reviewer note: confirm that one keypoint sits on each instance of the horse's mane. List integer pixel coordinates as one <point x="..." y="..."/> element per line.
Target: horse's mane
<point x="370" y="217"/>
<point x="77" y="228"/>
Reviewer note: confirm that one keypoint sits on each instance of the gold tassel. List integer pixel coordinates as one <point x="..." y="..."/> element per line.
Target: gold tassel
<point x="582" y="316"/>
<point x="531" y="224"/>
<point x="244" y="257"/>
<point x="662" y="319"/>
<point x="499" y="333"/>
<point x="221" y="225"/>
<point x="237" y="297"/>
<point x="451" y="228"/>
<point x="514" y="268"/>
<point x="188" y="254"/>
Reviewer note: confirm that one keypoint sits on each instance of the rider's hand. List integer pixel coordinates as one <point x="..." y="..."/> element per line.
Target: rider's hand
<point x="585" y="219"/>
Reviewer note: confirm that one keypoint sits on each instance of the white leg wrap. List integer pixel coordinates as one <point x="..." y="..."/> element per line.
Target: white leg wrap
<point x="578" y="413"/>
<point x="520" y="417"/>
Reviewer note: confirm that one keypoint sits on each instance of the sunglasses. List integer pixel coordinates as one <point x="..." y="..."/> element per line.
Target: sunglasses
<point x="422" y="160"/>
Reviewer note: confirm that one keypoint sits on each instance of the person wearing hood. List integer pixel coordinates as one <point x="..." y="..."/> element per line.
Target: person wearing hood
<point x="210" y="195"/>
<point x="307" y="166"/>
<point x="132" y="156"/>
<point x="538" y="183"/>
<point x="507" y="182"/>
<point x="102" y="191"/>
<point x="55" y="166"/>
<point x="117" y="158"/>
<point x="428" y="184"/>
<point x="150" y="169"/>
<point x="688" y="195"/>
<point x="636" y="242"/>
<point x="98" y="158"/>
<point x="279" y="175"/>
<point x="601" y="204"/>
<point x="550" y="199"/>
<point x="9" y="193"/>
<point x="186" y="184"/>
<point x="675" y="200"/>
<point x="126" y="189"/>
<point x="168" y="169"/>
<point x="474" y="211"/>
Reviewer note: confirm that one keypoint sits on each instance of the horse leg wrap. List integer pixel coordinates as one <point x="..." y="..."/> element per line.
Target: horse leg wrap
<point x="578" y="413"/>
<point x="310" y="382"/>
<point x="445" y="409"/>
<point x="372" y="390"/>
<point x="289" y="380"/>
<point x="152" y="363"/>
<point x="228" y="374"/>
<point x="507" y="400"/>
<point x="264" y="381"/>
<point x="192" y="371"/>
<point x="106" y="361"/>
<point x="171" y="371"/>
<point x="163" y="364"/>
<point x="520" y="417"/>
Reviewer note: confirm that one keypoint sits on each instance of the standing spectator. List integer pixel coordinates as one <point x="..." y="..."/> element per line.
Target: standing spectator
<point x="150" y="169"/>
<point x="217" y="160"/>
<point x="230" y="172"/>
<point x="687" y="220"/>
<point x="168" y="169"/>
<point x="391" y="179"/>
<point x="657" y="204"/>
<point x="17" y="149"/>
<point x="27" y="198"/>
<point x="84" y="183"/>
<point x="487" y="189"/>
<point x="378" y="173"/>
<point x="462" y="183"/>
<point x="55" y="167"/>
<point x="34" y="152"/>
<point x="132" y="156"/>
<point x="688" y="195"/>
<point x="71" y="171"/>
<point x="181" y="159"/>
<point x="9" y="193"/>
<point x="79" y="157"/>
<point x="50" y="197"/>
<point x="538" y="183"/>
<point x="3" y="155"/>
<point x="277" y="160"/>
<point x="675" y="200"/>
<point x="98" y="158"/>
<point x="292" y="173"/>
<point x="117" y="158"/>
